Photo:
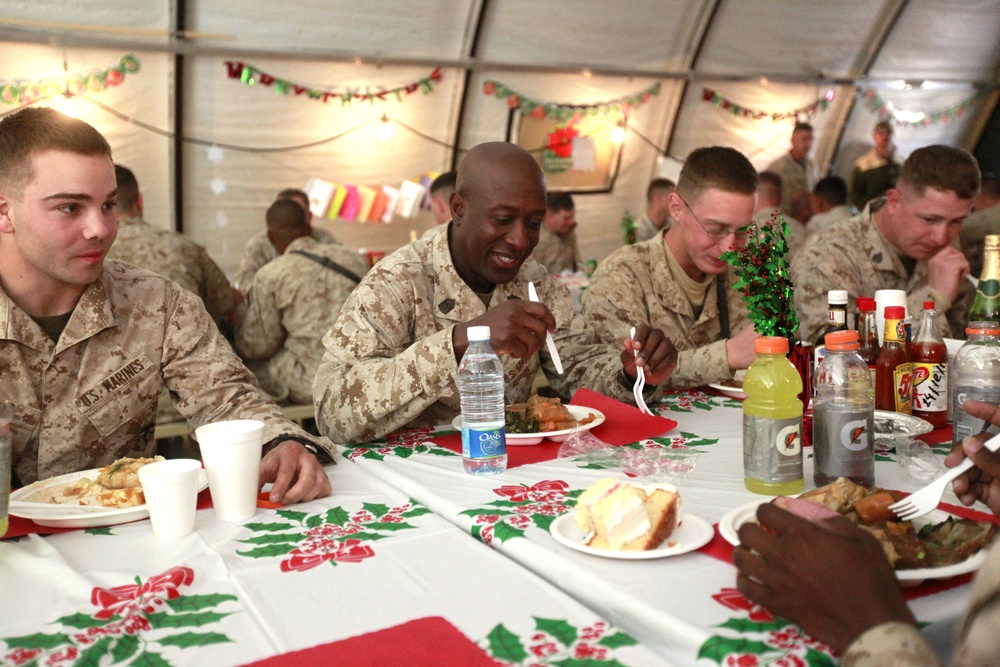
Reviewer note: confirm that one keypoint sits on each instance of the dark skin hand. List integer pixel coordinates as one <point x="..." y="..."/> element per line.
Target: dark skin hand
<point x="296" y="474"/>
<point x="831" y="578"/>
<point x="657" y="355"/>
<point x="517" y="328"/>
<point x="982" y="482"/>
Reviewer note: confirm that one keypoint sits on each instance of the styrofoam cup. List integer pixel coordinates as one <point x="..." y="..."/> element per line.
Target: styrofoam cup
<point x="171" y="491"/>
<point x="887" y="297"/>
<point x="231" y="452"/>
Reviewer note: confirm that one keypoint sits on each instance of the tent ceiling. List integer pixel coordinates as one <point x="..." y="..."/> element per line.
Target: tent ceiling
<point x="773" y="56"/>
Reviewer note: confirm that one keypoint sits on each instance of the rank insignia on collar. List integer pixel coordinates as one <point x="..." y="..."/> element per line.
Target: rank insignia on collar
<point x="446" y="306"/>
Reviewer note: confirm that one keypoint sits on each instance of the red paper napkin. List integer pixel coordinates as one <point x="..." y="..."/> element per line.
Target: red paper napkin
<point x="425" y="642"/>
<point x="517" y="455"/>
<point x="624" y="424"/>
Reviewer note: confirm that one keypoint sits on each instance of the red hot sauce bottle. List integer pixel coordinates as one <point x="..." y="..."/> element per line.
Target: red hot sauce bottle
<point x="930" y="370"/>
<point x="894" y="368"/>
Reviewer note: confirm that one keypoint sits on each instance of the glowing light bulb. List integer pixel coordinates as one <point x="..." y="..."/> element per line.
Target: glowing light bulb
<point x="67" y="105"/>
<point x="618" y="134"/>
<point x="384" y="131"/>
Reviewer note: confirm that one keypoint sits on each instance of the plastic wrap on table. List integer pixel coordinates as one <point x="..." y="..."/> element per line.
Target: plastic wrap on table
<point x="647" y="464"/>
<point x="917" y="459"/>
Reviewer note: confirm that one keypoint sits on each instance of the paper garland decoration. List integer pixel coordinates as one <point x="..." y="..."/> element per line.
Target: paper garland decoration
<point x="252" y="76"/>
<point x="28" y="92"/>
<point x="364" y="204"/>
<point x="718" y="100"/>
<point x="903" y="118"/>
<point x="563" y="112"/>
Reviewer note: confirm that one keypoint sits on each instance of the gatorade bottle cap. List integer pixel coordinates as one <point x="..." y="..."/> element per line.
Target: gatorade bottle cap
<point x="928" y="305"/>
<point x="771" y="345"/>
<point x="842" y="340"/>
<point x="895" y="313"/>
<point x="866" y="304"/>
<point x="990" y="328"/>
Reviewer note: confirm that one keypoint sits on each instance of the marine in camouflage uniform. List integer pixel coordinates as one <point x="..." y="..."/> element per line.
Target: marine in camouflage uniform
<point x="556" y="252"/>
<point x="390" y="361"/>
<point x="259" y="251"/>
<point x="90" y="398"/>
<point x="293" y="302"/>
<point x="176" y="257"/>
<point x="634" y="284"/>
<point x="853" y="255"/>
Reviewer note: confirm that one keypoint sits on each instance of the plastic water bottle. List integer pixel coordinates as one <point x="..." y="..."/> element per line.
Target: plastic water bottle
<point x="844" y="415"/>
<point x="977" y="375"/>
<point x="772" y="421"/>
<point x="480" y="386"/>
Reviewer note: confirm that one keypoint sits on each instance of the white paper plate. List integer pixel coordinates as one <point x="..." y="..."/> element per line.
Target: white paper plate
<point x="733" y="519"/>
<point x="518" y="439"/>
<point x="73" y="516"/>
<point x="693" y="533"/>
<point x="731" y="392"/>
<point x="890" y="425"/>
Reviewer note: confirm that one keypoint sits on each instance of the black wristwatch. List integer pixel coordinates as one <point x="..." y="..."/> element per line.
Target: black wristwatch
<point x="310" y="447"/>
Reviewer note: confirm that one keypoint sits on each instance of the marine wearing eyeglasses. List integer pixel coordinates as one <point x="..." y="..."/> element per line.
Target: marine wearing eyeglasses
<point x="677" y="280"/>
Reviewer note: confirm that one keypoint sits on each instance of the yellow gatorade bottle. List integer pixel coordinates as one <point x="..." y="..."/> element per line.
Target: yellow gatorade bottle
<point x="772" y="421"/>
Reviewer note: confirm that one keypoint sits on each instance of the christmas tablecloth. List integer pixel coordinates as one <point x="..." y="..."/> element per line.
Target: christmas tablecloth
<point x="686" y="606"/>
<point x="367" y="576"/>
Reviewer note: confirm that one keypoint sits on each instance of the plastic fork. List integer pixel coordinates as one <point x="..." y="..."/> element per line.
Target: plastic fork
<point x="640" y="383"/>
<point x="926" y="499"/>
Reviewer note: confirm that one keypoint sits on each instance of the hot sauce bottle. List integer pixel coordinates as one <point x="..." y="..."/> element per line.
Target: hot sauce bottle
<point x="894" y="368"/>
<point x="930" y="370"/>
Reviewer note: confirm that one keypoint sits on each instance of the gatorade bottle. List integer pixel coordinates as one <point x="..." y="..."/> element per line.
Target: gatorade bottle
<point x="772" y="421"/>
<point x="976" y="373"/>
<point x="844" y="418"/>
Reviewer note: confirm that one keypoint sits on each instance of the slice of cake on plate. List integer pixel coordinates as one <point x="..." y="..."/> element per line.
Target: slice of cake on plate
<point x="619" y="516"/>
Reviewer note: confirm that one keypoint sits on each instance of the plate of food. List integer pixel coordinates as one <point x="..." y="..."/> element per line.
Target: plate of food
<point x="890" y="425"/>
<point x="732" y="388"/>
<point x="621" y="520"/>
<point x="937" y="545"/>
<point x="104" y="496"/>
<point x="544" y="418"/>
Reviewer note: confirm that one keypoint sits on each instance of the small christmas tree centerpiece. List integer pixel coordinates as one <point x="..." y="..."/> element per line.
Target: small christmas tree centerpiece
<point x="762" y="268"/>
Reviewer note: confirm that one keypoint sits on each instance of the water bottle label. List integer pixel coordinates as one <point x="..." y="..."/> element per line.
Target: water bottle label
<point x="965" y="424"/>
<point x="488" y="444"/>
<point x="819" y="354"/>
<point x="772" y="449"/>
<point x="930" y="387"/>
<point x="843" y="443"/>
<point x="902" y="379"/>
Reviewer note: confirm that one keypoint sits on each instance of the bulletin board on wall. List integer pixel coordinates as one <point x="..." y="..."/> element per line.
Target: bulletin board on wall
<point x="577" y="155"/>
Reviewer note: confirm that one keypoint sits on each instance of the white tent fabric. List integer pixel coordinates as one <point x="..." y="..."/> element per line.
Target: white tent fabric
<point x="920" y="56"/>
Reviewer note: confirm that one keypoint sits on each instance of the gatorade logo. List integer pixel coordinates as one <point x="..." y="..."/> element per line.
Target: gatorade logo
<point x="854" y="435"/>
<point x="788" y="441"/>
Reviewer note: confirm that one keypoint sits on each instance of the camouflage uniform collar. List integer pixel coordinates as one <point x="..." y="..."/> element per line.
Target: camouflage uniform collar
<point x="884" y="255"/>
<point x="306" y="242"/>
<point x="665" y="285"/>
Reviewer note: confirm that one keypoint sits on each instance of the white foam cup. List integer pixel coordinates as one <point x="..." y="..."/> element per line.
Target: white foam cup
<point x="888" y="297"/>
<point x="231" y="452"/>
<point x="171" y="491"/>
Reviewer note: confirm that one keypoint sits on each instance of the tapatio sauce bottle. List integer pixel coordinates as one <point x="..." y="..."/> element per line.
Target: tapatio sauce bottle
<point x="894" y="369"/>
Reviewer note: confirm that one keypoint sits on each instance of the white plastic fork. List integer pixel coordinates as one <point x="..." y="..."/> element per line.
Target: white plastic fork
<point x="926" y="499"/>
<point x="640" y="383"/>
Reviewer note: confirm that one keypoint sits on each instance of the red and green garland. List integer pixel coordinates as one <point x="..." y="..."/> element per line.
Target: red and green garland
<point x="29" y="92"/>
<point x="717" y="99"/>
<point x="252" y="76"/>
<point x="564" y="112"/>
<point x="879" y="105"/>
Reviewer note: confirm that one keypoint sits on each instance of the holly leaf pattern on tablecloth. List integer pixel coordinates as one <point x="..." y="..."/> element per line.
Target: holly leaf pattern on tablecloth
<point x="128" y="624"/>
<point x="103" y="530"/>
<point x="558" y="642"/>
<point x="333" y="536"/>
<point x="403" y="443"/>
<point x="521" y="506"/>
<point x="760" y="638"/>
<point x="692" y="400"/>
